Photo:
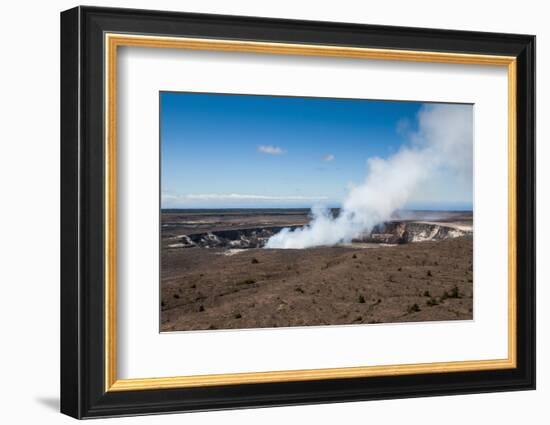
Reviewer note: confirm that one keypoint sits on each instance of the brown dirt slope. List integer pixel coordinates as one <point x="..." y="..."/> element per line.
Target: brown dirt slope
<point x="204" y="289"/>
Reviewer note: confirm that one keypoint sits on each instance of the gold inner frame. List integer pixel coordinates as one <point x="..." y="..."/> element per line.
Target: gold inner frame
<point x="113" y="41"/>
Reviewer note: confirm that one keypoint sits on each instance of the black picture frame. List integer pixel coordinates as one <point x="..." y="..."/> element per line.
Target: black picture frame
<point x="83" y="392"/>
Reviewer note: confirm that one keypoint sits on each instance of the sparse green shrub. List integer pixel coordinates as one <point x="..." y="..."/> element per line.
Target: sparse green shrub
<point x="454" y="292"/>
<point x="413" y="308"/>
<point x="246" y="282"/>
<point x="431" y="302"/>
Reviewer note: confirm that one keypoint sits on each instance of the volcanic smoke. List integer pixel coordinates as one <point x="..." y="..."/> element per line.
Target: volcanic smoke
<point x="443" y="141"/>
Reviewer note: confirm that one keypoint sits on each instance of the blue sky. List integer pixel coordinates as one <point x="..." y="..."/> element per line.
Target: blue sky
<point x="244" y="151"/>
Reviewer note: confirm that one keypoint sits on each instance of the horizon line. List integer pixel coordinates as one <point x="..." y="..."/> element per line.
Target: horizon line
<point x="307" y="208"/>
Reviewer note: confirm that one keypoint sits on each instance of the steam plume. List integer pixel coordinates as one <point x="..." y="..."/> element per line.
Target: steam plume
<point x="443" y="141"/>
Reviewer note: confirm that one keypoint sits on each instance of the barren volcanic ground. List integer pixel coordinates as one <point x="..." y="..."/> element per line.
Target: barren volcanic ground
<point x="208" y="284"/>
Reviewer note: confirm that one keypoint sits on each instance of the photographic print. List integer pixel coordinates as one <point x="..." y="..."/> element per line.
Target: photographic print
<point x="324" y="191"/>
<point x="293" y="211"/>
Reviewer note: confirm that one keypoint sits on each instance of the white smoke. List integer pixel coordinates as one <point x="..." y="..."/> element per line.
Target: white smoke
<point x="442" y="143"/>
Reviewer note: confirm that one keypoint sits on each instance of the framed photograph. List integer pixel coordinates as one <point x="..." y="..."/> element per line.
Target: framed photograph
<point x="261" y="212"/>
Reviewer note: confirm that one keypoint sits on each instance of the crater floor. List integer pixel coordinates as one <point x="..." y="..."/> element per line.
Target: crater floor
<point x="205" y="288"/>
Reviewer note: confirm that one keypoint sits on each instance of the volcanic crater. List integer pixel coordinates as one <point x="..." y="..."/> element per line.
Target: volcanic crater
<point x="392" y="232"/>
<point x="215" y="273"/>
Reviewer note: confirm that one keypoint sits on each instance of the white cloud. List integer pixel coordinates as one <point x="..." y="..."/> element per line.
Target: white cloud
<point x="168" y="197"/>
<point x="247" y="197"/>
<point x="271" y="150"/>
<point x="223" y="200"/>
<point x="329" y="157"/>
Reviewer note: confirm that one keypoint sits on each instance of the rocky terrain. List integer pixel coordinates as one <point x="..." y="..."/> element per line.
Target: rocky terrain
<point x="394" y="232"/>
<point x="215" y="274"/>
